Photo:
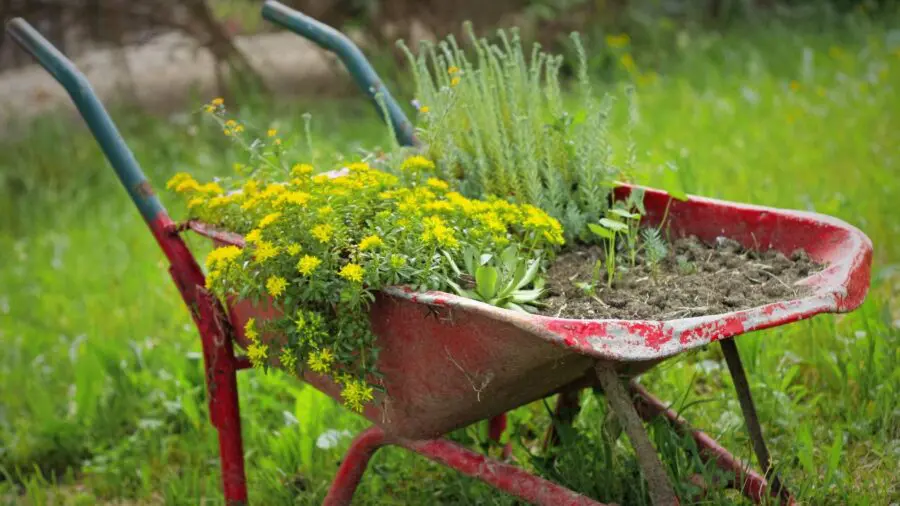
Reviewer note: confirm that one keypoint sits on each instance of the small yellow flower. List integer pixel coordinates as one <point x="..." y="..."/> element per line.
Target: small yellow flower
<point x="258" y="353"/>
<point x="454" y="81"/>
<point x="218" y="101"/>
<point x="372" y="241"/>
<point x="272" y="132"/>
<point x="293" y="249"/>
<point x="397" y="261"/>
<point x="437" y="184"/>
<point x="356" y="394"/>
<point x="323" y="232"/>
<point x="230" y="123"/>
<point x="324" y="211"/>
<point x="288" y="359"/>
<point x="278" y="142"/>
<point x="222" y="255"/>
<point x="424" y="109"/>
<point x="264" y="251"/>
<point x="238" y="129"/>
<point x="253" y="236"/>
<point x="209" y="108"/>
<point x="275" y="285"/>
<point x="307" y="264"/>
<point x="227" y="132"/>
<point x="302" y="169"/>
<point x="352" y="272"/>
<point x="617" y="41"/>
<point x="452" y="70"/>
<point x="250" y="330"/>
<point x="320" y="361"/>
<point x="417" y="163"/>
<point x="269" y="219"/>
<point x="196" y="201"/>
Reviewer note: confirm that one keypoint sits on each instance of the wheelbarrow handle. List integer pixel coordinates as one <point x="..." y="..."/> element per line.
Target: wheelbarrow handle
<point x="101" y="125"/>
<point x="352" y="57"/>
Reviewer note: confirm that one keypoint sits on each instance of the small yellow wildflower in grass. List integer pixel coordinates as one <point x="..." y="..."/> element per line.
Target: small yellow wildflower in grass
<point x="218" y="101"/>
<point x="302" y="169"/>
<point x="211" y="188"/>
<point x="453" y="70"/>
<point x="211" y="279"/>
<point x="356" y="394"/>
<point x="209" y="108"/>
<point x="272" y="132"/>
<point x="275" y="285"/>
<point x="417" y="163"/>
<point x="323" y="233"/>
<point x="288" y="359"/>
<point x="227" y="132"/>
<point x="320" y="361"/>
<point x="307" y="264"/>
<point x="269" y="219"/>
<point x="352" y="272"/>
<point x="324" y="211"/>
<point x="618" y="41"/>
<point x="454" y="81"/>
<point x="258" y="353"/>
<point x="222" y="255"/>
<point x="264" y="251"/>
<point x="250" y="329"/>
<point x="250" y="187"/>
<point x="437" y="184"/>
<point x="294" y="249"/>
<point x="253" y="236"/>
<point x="424" y="109"/>
<point x="230" y="123"/>
<point x="196" y="201"/>
<point x="238" y="129"/>
<point x="372" y="241"/>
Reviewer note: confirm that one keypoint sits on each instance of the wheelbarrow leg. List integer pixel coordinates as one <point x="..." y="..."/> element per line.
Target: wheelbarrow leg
<point x="567" y="407"/>
<point x="661" y="491"/>
<point x="354" y="466"/>
<point x="496" y="428"/>
<point x="739" y="377"/>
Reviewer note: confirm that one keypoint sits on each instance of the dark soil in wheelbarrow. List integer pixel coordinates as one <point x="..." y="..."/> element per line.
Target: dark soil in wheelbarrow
<point x="694" y="279"/>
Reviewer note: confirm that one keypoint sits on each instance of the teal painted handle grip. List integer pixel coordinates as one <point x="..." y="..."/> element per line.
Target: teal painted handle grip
<point x="93" y="112"/>
<point x="362" y="72"/>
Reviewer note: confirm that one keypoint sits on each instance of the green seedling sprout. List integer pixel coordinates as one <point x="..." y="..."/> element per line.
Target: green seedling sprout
<point x="607" y="230"/>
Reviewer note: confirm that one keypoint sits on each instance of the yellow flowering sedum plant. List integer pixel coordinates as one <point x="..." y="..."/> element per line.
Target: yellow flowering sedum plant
<point x="320" y="244"/>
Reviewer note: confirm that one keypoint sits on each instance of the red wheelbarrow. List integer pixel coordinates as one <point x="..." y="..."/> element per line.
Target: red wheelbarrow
<point x="449" y="362"/>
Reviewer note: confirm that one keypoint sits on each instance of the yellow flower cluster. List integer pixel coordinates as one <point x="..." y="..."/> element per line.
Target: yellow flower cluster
<point x="319" y="244"/>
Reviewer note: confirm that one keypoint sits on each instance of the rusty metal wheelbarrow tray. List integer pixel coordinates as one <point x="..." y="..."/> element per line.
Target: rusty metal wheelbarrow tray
<point x="449" y="361"/>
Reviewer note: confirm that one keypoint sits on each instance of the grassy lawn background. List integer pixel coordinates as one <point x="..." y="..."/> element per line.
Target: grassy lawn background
<point x="102" y="396"/>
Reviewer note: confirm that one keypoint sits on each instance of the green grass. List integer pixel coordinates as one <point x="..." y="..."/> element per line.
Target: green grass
<point x="102" y="395"/>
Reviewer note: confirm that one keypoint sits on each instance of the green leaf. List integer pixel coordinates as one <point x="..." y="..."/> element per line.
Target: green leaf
<point x="528" y="295"/>
<point x="486" y="281"/>
<point x="625" y="214"/>
<point x="530" y="274"/>
<point x="600" y="231"/>
<point x="615" y="226"/>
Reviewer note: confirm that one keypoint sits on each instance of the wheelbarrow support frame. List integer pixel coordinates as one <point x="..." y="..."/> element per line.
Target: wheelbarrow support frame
<point x="217" y="337"/>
